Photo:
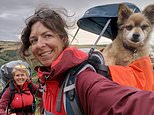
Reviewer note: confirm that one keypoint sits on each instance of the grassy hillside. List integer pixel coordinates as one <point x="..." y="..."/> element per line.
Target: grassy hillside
<point x="8" y="51"/>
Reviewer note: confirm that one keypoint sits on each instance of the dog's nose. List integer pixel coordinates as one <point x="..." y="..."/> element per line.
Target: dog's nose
<point x="135" y="37"/>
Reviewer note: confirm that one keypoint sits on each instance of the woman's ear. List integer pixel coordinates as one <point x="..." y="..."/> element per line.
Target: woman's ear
<point x="65" y="40"/>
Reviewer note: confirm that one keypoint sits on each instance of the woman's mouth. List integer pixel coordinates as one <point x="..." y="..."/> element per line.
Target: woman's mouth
<point x="46" y="53"/>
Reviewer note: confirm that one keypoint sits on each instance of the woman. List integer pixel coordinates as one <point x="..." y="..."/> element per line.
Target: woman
<point x="18" y="98"/>
<point x="45" y="34"/>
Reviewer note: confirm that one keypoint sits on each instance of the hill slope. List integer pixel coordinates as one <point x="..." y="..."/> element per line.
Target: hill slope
<point x="8" y="51"/>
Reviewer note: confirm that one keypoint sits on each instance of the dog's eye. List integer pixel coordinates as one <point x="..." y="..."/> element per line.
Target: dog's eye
<point x="129" y="27"/>
<point x="144" y="27"/>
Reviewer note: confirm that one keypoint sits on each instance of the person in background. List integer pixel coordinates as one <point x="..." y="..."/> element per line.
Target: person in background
<point x="46" y="36"/>
<point x="18" y="97"/>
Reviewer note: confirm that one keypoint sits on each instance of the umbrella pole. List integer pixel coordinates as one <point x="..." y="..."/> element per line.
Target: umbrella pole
<point x="74" y="35"/>
<point x="102" y="32"/>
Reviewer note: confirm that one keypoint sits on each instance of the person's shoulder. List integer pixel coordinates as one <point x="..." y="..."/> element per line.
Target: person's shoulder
<point x="6" y="92"/>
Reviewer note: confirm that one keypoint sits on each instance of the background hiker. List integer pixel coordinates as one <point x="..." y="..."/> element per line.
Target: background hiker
<point x="18" y="97"/>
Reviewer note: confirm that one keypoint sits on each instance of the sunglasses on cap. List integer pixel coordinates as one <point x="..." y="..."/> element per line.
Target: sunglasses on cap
<point x="20" y="66"/>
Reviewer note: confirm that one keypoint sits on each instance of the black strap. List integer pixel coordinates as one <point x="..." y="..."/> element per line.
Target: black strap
<point x="103" y="70"/>
<point x="71" y="78"/>
<point x="33" y="107"/>
<point x="12" y="94"/>
<point x="76" y="69"/>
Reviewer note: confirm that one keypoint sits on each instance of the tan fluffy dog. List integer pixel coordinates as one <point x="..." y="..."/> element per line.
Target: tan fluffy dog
<point x="132" y="40"/>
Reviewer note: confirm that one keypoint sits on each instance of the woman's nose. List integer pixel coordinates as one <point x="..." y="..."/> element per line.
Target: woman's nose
<point x="41" y="42"/>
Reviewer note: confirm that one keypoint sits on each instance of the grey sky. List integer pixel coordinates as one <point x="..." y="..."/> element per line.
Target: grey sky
<point x="14" y="12"/>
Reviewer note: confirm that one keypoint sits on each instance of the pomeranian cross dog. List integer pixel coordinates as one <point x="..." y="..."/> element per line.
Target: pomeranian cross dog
<point x="132" y="41"/>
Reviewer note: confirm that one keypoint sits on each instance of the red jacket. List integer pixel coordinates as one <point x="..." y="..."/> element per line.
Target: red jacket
<point x="97" y="94"/>
<point x="20" y="99"/>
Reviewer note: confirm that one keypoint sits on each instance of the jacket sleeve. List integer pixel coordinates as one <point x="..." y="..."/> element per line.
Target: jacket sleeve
<point x="100" y="96"/>
<point x="4" y="101"/>
<point x="139" y="74"/>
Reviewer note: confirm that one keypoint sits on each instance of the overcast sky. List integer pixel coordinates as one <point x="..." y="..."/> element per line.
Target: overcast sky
<point x="14" y="12"/>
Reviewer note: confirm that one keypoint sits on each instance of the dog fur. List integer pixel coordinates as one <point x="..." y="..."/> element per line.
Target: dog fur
<point x="132" y="41"/>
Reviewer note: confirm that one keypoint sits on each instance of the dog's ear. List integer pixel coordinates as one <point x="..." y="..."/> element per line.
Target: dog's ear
<point x="123" y="13"/>
<point x="149" y="13"/>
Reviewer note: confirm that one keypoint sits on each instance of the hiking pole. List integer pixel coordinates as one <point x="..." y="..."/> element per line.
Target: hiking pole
<point x="102" y="32"/>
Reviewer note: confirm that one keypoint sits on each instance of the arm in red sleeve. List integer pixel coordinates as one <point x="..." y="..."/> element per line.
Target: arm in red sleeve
<point x="100" y="96"/>
<point x="4" y="101"/>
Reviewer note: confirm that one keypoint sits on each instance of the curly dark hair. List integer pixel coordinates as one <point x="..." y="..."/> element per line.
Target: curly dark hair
<point x="50" y="19"/>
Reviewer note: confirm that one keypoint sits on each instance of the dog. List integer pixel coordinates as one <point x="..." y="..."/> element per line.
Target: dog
<point x="132" y="41"/>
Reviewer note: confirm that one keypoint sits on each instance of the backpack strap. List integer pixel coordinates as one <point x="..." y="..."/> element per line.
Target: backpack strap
<point x="71" y="103"/>
<point x="102" y="69"/>
<point x="12" y="94"/>
<point x="33" y="94"/>
<point x="96" y="59"/>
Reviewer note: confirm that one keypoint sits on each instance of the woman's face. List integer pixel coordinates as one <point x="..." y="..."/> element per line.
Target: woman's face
<point x="46" y="46"/>
<point x="20" y="77"/>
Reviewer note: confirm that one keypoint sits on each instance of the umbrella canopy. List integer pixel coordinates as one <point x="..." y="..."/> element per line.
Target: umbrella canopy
<point x="96" y="18"/>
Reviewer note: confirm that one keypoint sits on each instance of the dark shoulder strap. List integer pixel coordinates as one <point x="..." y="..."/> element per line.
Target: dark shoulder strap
<point x="12" y="91"/>
<point x="71" y="103"/>
<point x="96" y="59"/>
<point x="102" y="69"/>
<point x="30" y="88"/>
<point x="32" y="91"/>
<point x="68" y="89"/>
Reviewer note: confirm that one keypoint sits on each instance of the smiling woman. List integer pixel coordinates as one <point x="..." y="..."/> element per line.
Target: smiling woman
<point x="17" y="97"/>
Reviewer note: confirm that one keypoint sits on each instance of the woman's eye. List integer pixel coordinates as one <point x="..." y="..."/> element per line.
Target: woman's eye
<point x="33" y="41"/>
<point x="17" y="75"/>
<point x="22" y="75"/>
<point x="48" y="36"/>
